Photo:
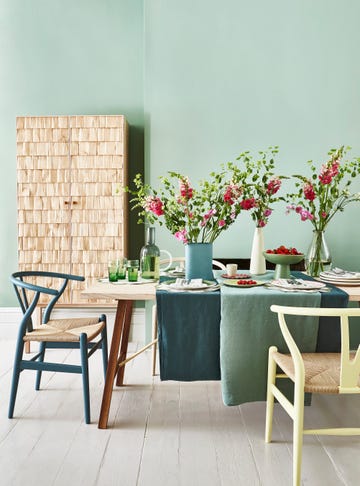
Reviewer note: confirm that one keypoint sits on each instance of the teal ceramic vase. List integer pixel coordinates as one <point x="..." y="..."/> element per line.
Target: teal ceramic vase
<point x="198" y="261"/>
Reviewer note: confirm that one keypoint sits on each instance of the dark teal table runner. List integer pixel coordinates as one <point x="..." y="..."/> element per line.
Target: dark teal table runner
<point x="201" y="333"/>
<point x="189" y="335"/>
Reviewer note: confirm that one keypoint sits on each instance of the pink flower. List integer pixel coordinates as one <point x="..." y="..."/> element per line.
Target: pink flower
<point x="304" y="214"/>
<point x="186" y="191"/>
<point x="267" y="212"/>
<point x="233" y="191"/>
<point x="221" y="223"/>
<point x="228" y="197"/>
<point x="154" y="204"/>
<point x="248" y="203"/>
<point x="207" y="216"/>
<point x="335" y="168"/>
<point x="181" y="236"/>
<point x="323" y="214"/>
<point x="273" y="186"/>
<point x="290" y="207"/>
<point x="261" y="223"/>
<point x="309" y="192"/>
<point x="189" y="213"/>
<point x="328" y="171"/>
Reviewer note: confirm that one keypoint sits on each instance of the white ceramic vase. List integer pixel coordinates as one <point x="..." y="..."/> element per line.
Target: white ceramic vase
<point x="257" y="259"/>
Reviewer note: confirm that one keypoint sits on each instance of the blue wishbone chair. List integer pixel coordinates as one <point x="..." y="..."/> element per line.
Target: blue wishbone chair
<point x="79" y="333"/>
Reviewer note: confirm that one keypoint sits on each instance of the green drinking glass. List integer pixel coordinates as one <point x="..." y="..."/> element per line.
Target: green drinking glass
<point x="133" y="270"/>
<point x="112" y="270"/>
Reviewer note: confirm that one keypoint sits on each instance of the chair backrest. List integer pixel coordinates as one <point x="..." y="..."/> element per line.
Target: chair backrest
<point x="215" y="263"/>
<point x="28" y="293"/>
<point x="350" y="365"/>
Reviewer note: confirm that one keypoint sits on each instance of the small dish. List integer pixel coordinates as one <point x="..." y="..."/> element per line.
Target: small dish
<point x="234" y="283"/>
<point x="237" y="276"/>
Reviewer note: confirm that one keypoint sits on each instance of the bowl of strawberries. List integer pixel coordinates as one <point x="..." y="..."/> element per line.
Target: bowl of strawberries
<point x="283" y="257"/>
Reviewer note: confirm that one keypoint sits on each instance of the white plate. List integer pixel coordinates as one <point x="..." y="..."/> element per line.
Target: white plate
<point x="339" y="279"/>
<point x="298" y="284"/>
<point x="341" y="275"/>
<point x="206" y="285"/>
<point x="344" y="283"/>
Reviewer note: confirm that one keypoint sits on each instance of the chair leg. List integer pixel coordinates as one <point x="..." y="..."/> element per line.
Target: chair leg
<point x="270" y="397"/>
<point x="298" y="428"/>
<point x="41" y="359"/>
<point x="154" y="336"/>
<point x="104" y="347"/>
<point x="15" y="378"/>
<point x="85" y="375"/>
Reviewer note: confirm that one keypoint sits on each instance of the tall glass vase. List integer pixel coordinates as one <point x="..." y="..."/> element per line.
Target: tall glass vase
<point x="198" y="261"/>
<point x="318" y="257"/>
<point x="257" y="260"/>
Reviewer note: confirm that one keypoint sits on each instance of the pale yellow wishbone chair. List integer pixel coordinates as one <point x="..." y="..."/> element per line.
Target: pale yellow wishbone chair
<point x="326" y="373"/>
<point x="180" y="260"/>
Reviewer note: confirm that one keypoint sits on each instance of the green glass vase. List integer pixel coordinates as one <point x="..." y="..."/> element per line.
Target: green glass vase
<point x="150" y="257"/>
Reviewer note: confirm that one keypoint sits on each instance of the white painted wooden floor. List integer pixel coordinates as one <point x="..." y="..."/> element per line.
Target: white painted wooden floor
<point x="161" y="434"/>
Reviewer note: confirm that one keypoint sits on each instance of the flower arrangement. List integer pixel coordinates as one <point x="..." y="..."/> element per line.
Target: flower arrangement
<point x="192" y="215"/>
<point x="322" y="195"/>
<point x="261" y="184"/>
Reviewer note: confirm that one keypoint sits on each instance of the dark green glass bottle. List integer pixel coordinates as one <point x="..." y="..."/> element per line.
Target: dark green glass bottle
<point x="150" y="257"/>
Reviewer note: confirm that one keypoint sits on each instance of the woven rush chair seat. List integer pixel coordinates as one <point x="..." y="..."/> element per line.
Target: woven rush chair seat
<point x="66" y="330"/>
<point x="322" y="372"/>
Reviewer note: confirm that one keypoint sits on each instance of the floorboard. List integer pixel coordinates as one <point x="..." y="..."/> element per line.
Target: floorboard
<point x="160" y="433"/>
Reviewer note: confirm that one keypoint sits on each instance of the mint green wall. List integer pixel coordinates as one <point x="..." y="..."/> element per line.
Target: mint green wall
<point x="215" y="78"/>
<point x="65" y="57"/>
<point x="222" y="77"/>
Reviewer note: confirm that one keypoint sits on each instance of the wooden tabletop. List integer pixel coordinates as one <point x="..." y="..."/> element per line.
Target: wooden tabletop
<point x="147" y="291"/>
<point x="123" y="291"/>
<point x="354" y="292"/>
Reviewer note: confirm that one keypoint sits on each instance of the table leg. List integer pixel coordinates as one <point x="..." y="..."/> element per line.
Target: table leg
<point x="124" y="346"/>
<point x="123" y="314"/>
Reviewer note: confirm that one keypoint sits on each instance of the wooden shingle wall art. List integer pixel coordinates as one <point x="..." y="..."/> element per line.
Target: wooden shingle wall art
<point x="72" y="217"/>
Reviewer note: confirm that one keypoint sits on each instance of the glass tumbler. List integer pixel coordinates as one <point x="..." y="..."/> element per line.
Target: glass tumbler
<point x="112" y="270"/>
<point x="133" y="270"/>
<point x="121" y="270"/>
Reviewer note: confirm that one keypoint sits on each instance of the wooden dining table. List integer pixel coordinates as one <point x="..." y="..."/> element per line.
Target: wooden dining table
<point x="126" y="294"/>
